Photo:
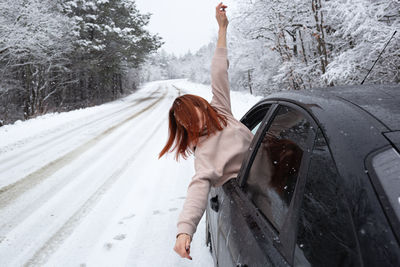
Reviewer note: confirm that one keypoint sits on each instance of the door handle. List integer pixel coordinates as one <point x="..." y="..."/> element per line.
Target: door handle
<point x="214" y="203"/>
<point x="241" y="265"/>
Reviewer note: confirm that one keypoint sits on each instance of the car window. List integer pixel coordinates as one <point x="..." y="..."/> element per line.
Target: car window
<point x="325" y="228"/>
<point x="255" y="129"/>
<point x="386" y="166"/>
<point x="255" y="118"/>
<point x="273" y="173"/>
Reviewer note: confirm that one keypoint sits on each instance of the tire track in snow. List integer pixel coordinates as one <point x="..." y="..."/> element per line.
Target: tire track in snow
<point x="28" y="203"/>
<point x="178" y="89"/>
<point x="29" y="152"/>
<point x="13" y="191"/>
<point x="42" y="254"/>
<point x="23" y="142"/>
<point x="9" y="147"/>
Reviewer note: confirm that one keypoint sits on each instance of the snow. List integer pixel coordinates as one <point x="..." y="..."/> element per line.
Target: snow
<point x="85" y="187"/>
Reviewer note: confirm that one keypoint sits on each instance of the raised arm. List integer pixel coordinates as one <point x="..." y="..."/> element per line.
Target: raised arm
<point x="220" y="65"/>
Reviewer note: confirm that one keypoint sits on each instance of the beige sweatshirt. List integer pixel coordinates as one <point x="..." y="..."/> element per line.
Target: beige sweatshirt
<point x="218" y="157"/>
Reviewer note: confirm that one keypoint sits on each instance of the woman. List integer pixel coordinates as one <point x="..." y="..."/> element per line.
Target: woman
<point x="210" y="131"/>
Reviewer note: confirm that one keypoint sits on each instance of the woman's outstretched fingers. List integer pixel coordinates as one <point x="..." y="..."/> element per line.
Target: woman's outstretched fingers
<point x="218" y="8"/>
<point x="221" y="8"/>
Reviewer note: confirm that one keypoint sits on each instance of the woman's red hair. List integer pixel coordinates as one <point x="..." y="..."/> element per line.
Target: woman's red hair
<point x="184" y="127"/>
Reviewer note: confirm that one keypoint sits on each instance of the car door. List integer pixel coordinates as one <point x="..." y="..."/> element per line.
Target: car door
<point x="252" y="119"/>
<point x="325" y="230"/>
<point x="256" y="209"/>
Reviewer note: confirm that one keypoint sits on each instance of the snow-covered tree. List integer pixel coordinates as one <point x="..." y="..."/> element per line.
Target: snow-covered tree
<point x="360" y="30"/>
<point x="34" y="44"/>
<point x="158" y="66"/>
<point x="281" y="44"/>
<point x="193" y="66"/>
<point x="111" y="28"/>
<point x="283" y="41"/>
<point x="110" y="39"/>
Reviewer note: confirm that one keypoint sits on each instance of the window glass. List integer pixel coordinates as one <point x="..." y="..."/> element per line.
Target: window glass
<point x="273" y="174"/>
<point x="254" y="120"/>
<point x="325" y="228"/>
<point x="387" y="168"/>
<point x="255" y="129"/>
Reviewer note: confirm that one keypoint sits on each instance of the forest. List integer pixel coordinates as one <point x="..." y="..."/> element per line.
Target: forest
<point x="59" y="55"/>
<point x="279" y="45"/>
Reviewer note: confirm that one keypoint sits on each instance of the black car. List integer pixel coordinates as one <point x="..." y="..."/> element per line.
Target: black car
<point x="320" y="185"/>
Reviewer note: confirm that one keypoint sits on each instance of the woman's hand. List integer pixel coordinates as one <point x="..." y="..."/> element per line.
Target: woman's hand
<point x="220" y="14"/>
<point x="182" y="245"/>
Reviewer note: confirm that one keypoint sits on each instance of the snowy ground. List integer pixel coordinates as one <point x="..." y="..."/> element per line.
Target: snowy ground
<point x="85" y="188"/>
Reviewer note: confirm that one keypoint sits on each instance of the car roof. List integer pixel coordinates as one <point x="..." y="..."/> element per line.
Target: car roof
<point x="381" y="101"/>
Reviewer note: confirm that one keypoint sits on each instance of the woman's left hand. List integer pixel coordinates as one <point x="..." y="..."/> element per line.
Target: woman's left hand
<point x="182" y="245"/>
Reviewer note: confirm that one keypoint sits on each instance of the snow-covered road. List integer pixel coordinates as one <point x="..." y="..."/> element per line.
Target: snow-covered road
<point x="85" y="188"/>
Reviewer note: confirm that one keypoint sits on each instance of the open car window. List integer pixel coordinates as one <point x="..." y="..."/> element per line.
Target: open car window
<point x="253" y="119"/>
<point x="256" y="127"/>
<point x="273" y="173"/>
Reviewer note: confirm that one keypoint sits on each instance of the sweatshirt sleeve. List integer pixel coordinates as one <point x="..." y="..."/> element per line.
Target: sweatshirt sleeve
<point x="220" y="80"/>
<point x="197" y="194"/>
<point x="195" y="204"/>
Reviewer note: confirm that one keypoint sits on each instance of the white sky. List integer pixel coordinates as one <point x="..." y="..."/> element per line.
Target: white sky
<point x="183" y="24"/>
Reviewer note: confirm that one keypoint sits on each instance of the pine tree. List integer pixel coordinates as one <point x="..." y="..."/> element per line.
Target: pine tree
<point x="111" y="39"/>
